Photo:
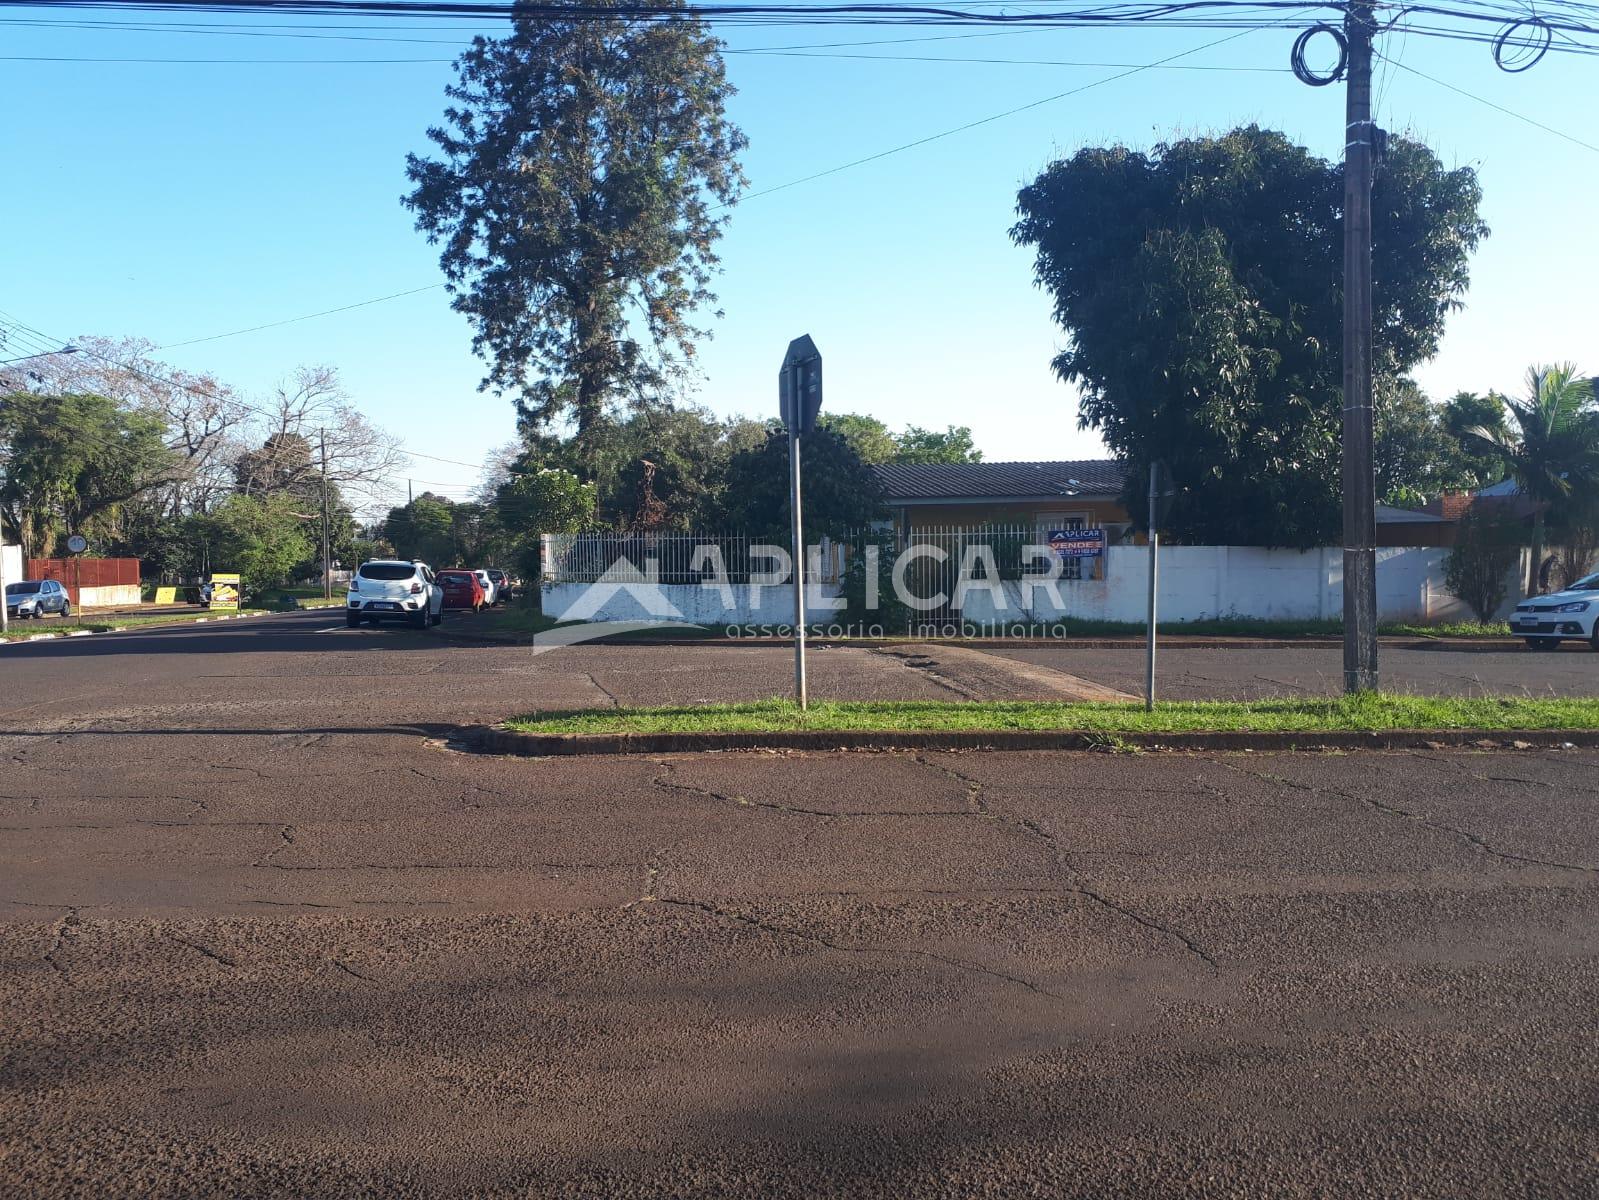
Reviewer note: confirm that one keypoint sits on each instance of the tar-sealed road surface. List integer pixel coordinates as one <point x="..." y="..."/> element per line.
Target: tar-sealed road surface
<point x="263" y="933"/>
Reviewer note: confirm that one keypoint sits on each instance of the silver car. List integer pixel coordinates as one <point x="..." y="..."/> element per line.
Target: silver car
<point x="37" y="598"/>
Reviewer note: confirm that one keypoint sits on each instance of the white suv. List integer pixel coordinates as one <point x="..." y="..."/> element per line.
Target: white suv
<point x="391" y="590"/>
<point x="1544" y="621"/>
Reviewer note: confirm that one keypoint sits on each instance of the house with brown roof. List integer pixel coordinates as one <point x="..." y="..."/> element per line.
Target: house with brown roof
<point x="1072" y="494"/>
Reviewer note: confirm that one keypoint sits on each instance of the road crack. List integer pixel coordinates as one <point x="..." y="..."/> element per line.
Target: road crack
<point x="1476" y="841"/>
<point x="68" y="924"/>
<point x="664" y="781"/>
<point x="1063" y="858"/>
<point x="961" y="964"/>
<point x="602" y="689"/>
<point x="214" y="955"/>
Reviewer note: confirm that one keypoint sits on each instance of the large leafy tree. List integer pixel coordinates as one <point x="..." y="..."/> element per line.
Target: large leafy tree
<point x="1464" y="412"/>
<point x="1415" y="456"/>
<point x="584" y="162"/>
<point x="841" y="493"/>
<point x="70" y="464"/>
<point x="423" y="528"/>
<point x="1201" y="288"/>
<point x="1550" y="447"/>
<point x="263" y="538"/>
<point x="875" y="443"/>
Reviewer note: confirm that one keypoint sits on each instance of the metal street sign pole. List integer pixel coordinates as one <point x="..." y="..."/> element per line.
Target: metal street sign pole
<point x="799" y="567"/>
<point x="1154" y="583"/>
<point x="799" y="388"/>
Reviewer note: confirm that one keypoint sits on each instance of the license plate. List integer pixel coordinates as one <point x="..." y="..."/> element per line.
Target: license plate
<point x="383" y="604"/>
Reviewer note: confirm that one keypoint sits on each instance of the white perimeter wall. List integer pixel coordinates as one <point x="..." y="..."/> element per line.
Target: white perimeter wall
<point x="1196" y="582"/>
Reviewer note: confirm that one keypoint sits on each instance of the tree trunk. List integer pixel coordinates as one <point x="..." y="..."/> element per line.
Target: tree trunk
<point x="1537" y="553"/>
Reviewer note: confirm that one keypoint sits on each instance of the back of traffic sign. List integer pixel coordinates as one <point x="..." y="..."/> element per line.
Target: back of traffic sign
<point x="800" y="385"/>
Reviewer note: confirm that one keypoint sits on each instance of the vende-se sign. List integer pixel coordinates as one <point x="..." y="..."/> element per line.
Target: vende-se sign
<point x="1077" y="543"/>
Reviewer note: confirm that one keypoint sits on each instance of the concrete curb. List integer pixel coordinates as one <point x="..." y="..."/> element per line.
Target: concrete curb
<point x="543" y="745"/>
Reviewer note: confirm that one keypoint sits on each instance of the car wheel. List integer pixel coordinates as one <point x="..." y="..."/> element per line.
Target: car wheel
<point x="1541" y="643"/>
<point x="352" y="619"/>
<point x="438" y="617"/>
<point x="66" y="610"/>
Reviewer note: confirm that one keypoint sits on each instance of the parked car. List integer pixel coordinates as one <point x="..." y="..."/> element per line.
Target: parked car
<point x="503" y="590"/>
<point x="462" y="590"/>
<point x="37" y="598"/>
<point x="388" y="589"/>
<point x="490" y="588"/>
<point x="1571" y="615"/>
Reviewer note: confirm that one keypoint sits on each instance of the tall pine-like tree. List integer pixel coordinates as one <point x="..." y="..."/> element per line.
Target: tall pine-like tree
<point x="585" y="170"/>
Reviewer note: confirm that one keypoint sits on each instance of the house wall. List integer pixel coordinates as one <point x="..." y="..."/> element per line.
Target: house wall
<point x="1196" y="583"/>
<point x="1203" y="582"/>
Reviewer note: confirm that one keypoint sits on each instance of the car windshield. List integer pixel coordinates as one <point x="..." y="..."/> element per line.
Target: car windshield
<point x="1587" y="584"/>
<point x="22" y="589"/>
<point x="453" y="577"/>
<point x="387" y="571"/>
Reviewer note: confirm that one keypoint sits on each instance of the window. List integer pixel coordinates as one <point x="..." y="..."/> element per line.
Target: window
<point x="22" y="589"/>
<point x="389" y="571"/>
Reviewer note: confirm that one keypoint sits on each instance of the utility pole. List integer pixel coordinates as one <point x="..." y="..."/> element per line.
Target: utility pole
<point x="1359" y="476"/>
<point x="327" y="562"/>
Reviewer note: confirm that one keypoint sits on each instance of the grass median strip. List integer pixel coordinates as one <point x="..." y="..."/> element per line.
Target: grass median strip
<point x="1357" y="713"/>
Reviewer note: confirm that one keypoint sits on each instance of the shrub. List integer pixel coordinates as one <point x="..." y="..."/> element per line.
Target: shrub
<point x="1486" y="550"/>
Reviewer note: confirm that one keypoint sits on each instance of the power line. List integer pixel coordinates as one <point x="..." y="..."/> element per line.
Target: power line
<point x="1557" y="17"/>
<point x="999" y="116"/>
<point x="215" y="337"/>
<point x="1560" y="133"/>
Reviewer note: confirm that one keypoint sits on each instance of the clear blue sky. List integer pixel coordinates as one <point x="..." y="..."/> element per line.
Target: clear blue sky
<point x="176" y="201"/>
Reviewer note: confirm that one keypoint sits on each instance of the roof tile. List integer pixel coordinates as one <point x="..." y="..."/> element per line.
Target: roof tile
<point x="1001" y="480"/>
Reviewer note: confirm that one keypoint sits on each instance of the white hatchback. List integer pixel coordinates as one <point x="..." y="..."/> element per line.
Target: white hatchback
<point x="393" y="590"/>
<point x="1546" y="621"/>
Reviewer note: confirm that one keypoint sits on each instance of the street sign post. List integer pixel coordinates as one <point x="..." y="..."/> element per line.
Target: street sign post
<point x="799" y="392"/>
<point x="1160" y="492"/>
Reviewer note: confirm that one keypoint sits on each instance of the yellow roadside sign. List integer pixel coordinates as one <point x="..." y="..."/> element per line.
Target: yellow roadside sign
<point x="224" y="591"/>
<point x="166" y="595"/>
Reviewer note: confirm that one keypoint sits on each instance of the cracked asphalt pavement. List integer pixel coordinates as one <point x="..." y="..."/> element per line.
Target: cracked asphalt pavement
<point x="262" y="932"/>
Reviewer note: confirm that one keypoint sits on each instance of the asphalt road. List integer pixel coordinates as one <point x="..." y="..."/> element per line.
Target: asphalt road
<point x="263" y="933"/>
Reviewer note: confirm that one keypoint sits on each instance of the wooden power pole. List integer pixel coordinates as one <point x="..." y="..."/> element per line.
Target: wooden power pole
<point x="327" y="563"/>
<point x="1359" y="475"/>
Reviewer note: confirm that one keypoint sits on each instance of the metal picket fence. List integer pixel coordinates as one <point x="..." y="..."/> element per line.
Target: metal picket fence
<point x="677" y="557"/>
<point x="692" y="558"/>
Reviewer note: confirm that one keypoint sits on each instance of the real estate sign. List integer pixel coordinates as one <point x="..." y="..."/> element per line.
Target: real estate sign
<point x="1077" y="543"/>
<point x="225" y="591"/>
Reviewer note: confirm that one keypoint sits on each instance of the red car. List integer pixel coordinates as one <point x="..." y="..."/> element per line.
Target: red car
<point x="462" y="590"/>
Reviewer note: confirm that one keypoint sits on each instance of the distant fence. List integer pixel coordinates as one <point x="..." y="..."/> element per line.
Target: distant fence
<point x="91" y="580"/>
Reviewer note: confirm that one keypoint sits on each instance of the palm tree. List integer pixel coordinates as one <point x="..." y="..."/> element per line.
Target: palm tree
<point x="1552" y="453"/>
